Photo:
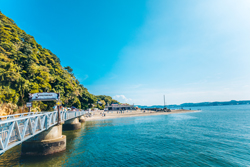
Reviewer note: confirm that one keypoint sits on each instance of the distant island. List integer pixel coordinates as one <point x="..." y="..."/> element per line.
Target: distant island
<point x="216" y="103"/>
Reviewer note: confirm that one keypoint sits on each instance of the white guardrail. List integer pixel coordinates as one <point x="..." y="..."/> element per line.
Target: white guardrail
<point x="15" y="129"/>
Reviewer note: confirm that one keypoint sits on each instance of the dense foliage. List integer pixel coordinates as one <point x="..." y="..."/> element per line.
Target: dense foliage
<point x="27" y="67"/>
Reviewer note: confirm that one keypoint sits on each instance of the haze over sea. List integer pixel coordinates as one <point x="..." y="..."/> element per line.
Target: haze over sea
<point x="217" y="136"/>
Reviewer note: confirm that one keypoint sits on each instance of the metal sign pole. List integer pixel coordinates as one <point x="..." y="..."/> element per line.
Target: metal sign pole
<point x="30" y="97"/>
<point x="58" y="108"/>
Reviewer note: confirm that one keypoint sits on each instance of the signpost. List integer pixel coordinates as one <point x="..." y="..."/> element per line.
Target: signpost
<point x="50" y="96"/>
<point x="47" y="96"/>
<point x="58" y="103"/>
<point x="29" y="105"/>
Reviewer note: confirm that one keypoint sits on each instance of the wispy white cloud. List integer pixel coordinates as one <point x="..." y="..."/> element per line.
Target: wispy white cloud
<point x="86" y="77"/>
<point x="83" y="77"/>
<point x="122" y="98"/>
<point x="191" y="51"/>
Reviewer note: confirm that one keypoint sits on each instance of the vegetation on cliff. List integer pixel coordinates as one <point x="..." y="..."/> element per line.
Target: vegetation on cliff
<point x="27" y="67"/>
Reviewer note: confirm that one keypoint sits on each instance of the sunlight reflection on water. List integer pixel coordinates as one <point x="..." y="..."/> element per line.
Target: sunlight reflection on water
<point x="217" y="136"/>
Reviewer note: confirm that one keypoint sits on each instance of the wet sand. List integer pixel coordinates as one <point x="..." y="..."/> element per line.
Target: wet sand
<point x="132" y="113"/>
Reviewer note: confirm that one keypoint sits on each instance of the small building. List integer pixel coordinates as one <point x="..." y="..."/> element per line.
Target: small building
<point x="119" y="107"/>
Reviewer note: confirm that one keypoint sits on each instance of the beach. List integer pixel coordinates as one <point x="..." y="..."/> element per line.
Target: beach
<point x="98" y="115"/>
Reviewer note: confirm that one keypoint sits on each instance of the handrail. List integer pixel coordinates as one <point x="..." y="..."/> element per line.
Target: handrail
<point x="17" y="128"/>
<point x="20" y="115"/>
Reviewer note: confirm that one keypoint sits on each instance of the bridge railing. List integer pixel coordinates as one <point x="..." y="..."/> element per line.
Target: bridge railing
<point x="18" y="115"/>
<point x="16" y="128"/>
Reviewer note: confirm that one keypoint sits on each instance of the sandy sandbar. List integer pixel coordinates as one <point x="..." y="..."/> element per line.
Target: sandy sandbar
<point x="132" y="113"/>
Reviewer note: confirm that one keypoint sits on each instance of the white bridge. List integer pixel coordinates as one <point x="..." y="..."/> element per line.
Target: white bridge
<point x="17" y="128"/>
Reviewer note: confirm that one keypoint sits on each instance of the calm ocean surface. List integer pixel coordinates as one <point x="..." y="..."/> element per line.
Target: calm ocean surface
<point x="217" y="136"/>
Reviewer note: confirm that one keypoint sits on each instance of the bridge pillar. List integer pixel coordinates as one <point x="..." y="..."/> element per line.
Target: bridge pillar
<point x="48" y="142"/>
<point x="81" y="119"/>
<point x="72" y="124"/>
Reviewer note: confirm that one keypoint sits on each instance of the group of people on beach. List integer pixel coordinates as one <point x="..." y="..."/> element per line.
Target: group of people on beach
<point x="120" y="111"/>
<point x="103" y="114"/>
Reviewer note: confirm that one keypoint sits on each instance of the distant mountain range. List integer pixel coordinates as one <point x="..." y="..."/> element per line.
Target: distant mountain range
<point x="216" y="103"/>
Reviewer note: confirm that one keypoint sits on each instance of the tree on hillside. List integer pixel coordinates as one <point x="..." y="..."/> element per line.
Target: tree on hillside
<point x="27" y="67"/>
<point x="69" y="69"/>
<point x="107" y="99"/>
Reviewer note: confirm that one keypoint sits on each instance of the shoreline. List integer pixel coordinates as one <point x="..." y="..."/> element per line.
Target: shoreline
<point x="134" y="113"/>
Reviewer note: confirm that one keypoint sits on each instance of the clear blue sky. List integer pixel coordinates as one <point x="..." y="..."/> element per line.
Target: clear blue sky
<point x="138" y="50"/>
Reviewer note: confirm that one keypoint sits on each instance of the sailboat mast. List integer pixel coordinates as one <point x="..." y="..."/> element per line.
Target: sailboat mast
<point x="164" y="101"/>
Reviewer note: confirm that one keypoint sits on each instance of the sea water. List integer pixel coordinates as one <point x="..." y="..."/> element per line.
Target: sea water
<point x="216" y="136"/>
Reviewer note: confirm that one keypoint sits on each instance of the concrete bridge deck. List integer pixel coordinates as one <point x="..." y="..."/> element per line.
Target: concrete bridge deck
<point x="17" y="128"/>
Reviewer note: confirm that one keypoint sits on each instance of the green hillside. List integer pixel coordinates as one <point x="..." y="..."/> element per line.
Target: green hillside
<point x="27" y="67"/>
